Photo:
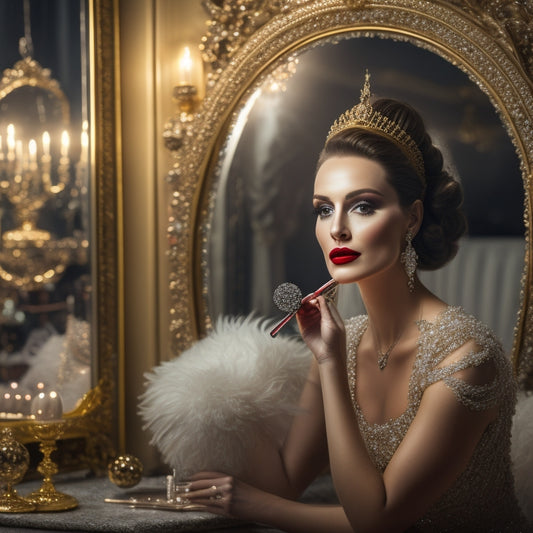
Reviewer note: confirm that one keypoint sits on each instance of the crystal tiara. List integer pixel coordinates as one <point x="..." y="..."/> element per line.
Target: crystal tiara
<point x="363" y="116"/>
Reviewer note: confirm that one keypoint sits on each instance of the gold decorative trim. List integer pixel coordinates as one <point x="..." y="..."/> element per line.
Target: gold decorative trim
<point x="109" y="245"/>
<point x="231" y="23"/>
<point x="491" y="43"/>
<point x="509" y="23"/>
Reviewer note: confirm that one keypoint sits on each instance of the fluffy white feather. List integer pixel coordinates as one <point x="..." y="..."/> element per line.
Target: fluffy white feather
<point x="522" y="453"/>
<point x="206" y="407"/>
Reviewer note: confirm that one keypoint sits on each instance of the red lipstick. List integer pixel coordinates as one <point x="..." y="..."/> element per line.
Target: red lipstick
<point x="341" y="256"/>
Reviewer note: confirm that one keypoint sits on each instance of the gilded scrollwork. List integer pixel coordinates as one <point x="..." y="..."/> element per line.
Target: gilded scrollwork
<point x="510" y="22"/>
<point x="230" y="23"/>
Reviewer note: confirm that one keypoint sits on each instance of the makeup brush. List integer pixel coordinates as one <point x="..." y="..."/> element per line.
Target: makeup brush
<point x="288" y="298"/>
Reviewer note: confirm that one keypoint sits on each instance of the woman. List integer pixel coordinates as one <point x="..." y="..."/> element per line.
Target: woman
<point x="411" y="404"/>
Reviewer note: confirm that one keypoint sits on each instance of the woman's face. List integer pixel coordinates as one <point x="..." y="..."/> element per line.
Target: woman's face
<point x="360" y="224"/>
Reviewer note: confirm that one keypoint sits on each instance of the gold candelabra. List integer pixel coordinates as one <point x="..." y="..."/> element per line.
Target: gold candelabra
<point x="25" y="180"/>
<point x="47" y="498"/>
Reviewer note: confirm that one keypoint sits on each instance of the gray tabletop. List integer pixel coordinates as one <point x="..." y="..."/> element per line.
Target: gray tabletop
<point x="95" y="515"/>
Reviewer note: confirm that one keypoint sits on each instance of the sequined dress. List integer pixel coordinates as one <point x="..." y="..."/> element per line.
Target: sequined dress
<point x="482" y="498"/>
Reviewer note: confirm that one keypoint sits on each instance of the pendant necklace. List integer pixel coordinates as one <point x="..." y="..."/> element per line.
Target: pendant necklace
<point x="383" y="357"/>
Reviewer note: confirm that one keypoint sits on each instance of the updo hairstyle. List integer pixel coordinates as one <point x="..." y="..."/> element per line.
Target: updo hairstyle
<point x="443" y="222"/>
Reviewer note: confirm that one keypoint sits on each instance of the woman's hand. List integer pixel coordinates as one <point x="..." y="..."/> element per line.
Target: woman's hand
<point x="322" y="329"/>
<point x="227" y="496"/>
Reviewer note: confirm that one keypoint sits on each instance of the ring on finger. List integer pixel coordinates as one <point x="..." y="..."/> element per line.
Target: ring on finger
<point x="216" y="495"/>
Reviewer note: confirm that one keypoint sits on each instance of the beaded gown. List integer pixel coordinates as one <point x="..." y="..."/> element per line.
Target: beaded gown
<point x="482" y="498"/>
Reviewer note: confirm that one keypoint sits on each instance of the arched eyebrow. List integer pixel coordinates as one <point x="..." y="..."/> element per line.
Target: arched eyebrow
<point x="350" y="195"/>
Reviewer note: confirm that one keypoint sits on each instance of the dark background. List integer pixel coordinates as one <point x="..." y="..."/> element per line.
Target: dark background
<point x="55" y="32"/>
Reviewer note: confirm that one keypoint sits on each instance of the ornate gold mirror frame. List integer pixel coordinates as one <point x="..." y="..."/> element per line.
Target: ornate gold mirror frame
<point x="490" y="42"/>
<point x="91" y="427"/>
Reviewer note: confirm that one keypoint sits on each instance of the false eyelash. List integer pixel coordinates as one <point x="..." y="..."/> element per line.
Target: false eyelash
<point x="316" y="211"/>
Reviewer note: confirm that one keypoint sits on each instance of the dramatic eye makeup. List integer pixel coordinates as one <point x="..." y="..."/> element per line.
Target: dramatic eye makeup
<point x="364" y="207"/>
<point x="364" y="202"/>
<point x="322" y="210"/>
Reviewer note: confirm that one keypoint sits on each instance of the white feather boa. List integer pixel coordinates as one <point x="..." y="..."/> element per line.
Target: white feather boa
<point x="206" y="407"/>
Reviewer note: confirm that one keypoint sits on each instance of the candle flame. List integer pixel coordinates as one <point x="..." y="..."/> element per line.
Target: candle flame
<point x="32" y="149"/>
<point x="65" y="143"/>
<point x="46" y="143"/>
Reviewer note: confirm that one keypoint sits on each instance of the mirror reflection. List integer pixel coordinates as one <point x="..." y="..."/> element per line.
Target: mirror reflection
<point x="262" y="237"/>
<point x="45" y="267"/>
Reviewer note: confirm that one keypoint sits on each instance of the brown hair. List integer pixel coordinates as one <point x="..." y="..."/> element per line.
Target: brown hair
<point x="444" y="221"/>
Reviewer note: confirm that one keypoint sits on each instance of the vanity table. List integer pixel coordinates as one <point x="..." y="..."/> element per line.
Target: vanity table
<point x="95" y="515"/>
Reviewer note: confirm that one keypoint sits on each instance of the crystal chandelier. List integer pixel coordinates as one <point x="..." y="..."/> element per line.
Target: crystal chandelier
<point x="38" y="176"/>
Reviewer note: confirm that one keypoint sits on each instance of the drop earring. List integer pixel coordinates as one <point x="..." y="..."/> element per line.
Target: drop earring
<point x="409" y="258"/>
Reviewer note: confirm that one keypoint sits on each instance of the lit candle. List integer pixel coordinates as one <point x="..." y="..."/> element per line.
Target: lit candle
<point x="26" y="404"/>
<point x="10" y="142"/>
<point x="46" y="160"/>
<point x="32" y="150"/>
<point x="7" y="402"/>
<point x="18" y="406"/>
<point x="65" y="143"/>
<point x="46" y="143"/>
<point x="185" y="66"/>
<point x="47" y="406"/>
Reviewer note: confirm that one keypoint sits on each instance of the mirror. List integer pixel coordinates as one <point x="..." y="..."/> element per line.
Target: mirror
<point x="59" y="253"/>
<point x="262" y="223"/>
<point x="475" y="40"/>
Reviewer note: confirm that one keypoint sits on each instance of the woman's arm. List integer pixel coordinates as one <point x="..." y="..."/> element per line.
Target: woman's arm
<point x="305" y="451"/>
<point x="239" y="500"/>
<point x="435" y="450"/>
<point x="277" y="476"/>
<point x="288" y="470"/>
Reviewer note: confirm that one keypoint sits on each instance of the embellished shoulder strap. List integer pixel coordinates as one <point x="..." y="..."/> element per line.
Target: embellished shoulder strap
<point x="440" y="340"/>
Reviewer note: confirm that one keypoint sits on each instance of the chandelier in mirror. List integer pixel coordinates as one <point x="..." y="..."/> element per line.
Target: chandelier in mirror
<point x="41" y="184"/>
